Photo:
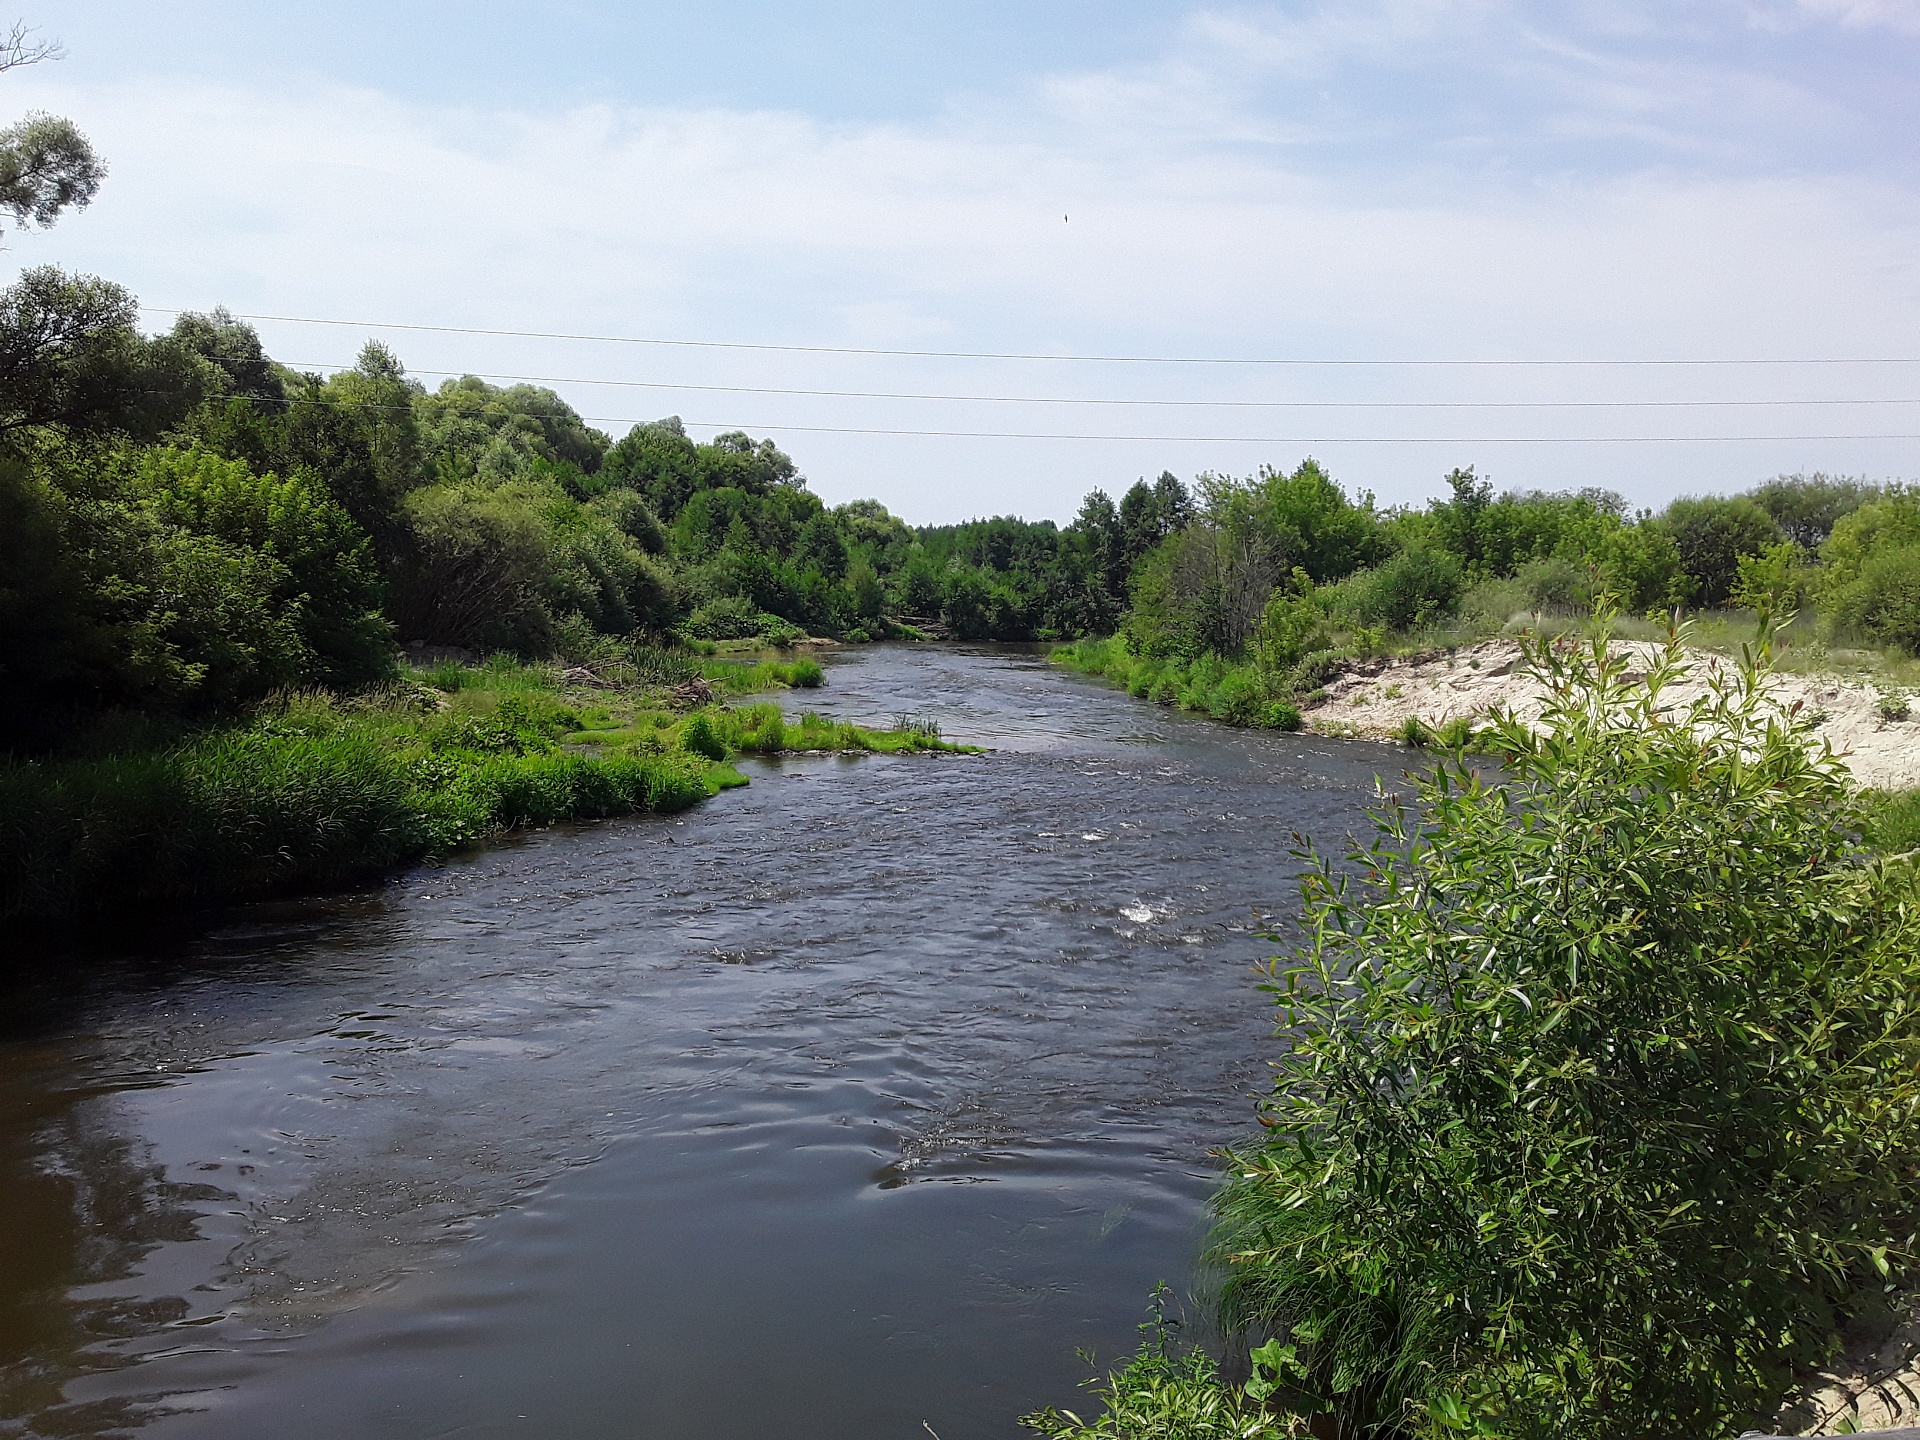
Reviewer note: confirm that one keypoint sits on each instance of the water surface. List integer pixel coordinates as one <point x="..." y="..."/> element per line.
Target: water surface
<point x="846" y="1105"/>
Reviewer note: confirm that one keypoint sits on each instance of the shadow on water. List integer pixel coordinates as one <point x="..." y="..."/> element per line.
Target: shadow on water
<point x="853" y="1100"/>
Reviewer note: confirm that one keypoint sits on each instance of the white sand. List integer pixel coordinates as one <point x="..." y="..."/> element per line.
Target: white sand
<point x="1375" y="700"/>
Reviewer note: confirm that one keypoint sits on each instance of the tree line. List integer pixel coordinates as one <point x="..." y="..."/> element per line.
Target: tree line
<point x="187" y="525"/>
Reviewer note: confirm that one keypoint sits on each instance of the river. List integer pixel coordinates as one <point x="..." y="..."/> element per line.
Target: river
<point x="844" y="1106"/>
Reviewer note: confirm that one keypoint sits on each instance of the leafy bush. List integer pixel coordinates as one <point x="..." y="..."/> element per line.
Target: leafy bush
<point x="1557" y="585"/>
<point x="1884" y="602"/>
<point x="1893" y="821"/>
<point x="1414" y="588"/>
<point x="1291" y="627"/>
<point x="1711" y="533"/>
<point x="1602" y="1088"/>
<point x="1234" y="698"/>
<point x="1280" y="715"/>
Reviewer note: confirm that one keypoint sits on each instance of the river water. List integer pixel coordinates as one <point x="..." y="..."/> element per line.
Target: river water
<point x="845" y="1106"/>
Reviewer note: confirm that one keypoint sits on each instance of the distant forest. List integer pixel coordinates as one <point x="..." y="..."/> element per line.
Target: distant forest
<point x="188" y="526"/>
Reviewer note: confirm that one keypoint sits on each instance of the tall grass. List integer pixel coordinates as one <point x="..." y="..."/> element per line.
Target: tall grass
<point x="310" y="797"/>
<point x="1237" y="692"/>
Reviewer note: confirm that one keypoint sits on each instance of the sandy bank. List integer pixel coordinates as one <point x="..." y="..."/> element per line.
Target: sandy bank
<point x="1375" y="698"/>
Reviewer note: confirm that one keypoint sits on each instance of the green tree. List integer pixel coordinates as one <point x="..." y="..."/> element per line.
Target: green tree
<point x="46" y="165"/>
<point x="1711" y="533"/>
<point x="331" y="590"/>
<point x="71" y="359"/>
<point x="1807" y="507"/>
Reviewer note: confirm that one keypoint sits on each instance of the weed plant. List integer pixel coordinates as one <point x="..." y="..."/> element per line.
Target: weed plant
<point x="1164" y="1393"/>
<point x="1599" y="1107"/>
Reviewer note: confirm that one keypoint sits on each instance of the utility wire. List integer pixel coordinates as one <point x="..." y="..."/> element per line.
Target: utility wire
<point x="1074" y="400"/>
<point x="718" y="425"/>
<point x="1008" y="355"/>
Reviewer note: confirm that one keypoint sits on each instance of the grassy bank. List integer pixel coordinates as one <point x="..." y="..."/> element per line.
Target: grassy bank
<point x="317" y="790"/>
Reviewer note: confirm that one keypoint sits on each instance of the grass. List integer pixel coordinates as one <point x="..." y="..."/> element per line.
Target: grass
<point x="1237" y="692"/>
<point x="317" y="790"/>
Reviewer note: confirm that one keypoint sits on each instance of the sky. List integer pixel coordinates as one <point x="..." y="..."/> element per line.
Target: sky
<point x="1358" y="196"/>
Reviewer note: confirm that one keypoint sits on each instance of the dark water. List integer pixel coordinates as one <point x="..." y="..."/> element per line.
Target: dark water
<point x="850" y="1101"/>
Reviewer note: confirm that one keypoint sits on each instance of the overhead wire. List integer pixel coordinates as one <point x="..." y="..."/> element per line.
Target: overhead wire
<point x="724" y="426"/>
<point x="1109" y="400"/>
<point x="1039" y="355"/>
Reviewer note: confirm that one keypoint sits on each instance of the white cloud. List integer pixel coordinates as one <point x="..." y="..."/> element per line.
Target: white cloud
<point x="1195" y="227"/>
<point x="1901" y="15"/>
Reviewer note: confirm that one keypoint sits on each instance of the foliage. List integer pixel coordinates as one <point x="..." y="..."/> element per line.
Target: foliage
<point x="1711" y="533"/>
<point x="1807" y="507"/>
<point x="699" y="737"/>
<point x="1413" y="589"/>
<point x="1893" y="821"/>
<point x="1600" y="1094"/>
<point x="1883" y="600"/>
<point x="1163" y="1394"/>
<point x="312" y="793"/>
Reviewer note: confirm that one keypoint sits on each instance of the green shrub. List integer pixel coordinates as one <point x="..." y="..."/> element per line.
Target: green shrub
<point x="806" y="674"/>
<point x="1412" y="589"/>
<point x="1884" y="602"/>
<point x="1711" y="533"/>
<point x="1415" y="732"/>
<point x="1602" y="1083"/>
<point x="1280" y="715"/>
<point x="1234" y="698"/>
<point x="1557" y="585"/>
<point x="1893" y="821"/>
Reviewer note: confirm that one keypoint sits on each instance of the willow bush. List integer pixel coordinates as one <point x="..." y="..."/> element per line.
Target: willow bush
<point x="1599" y="1107"/>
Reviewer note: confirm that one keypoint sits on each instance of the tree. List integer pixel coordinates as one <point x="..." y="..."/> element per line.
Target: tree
<point x="1807" y="507"/>
<point x="71" y="358"/>
<point x="1712" y="532"/>
<point x="46" y="164"/>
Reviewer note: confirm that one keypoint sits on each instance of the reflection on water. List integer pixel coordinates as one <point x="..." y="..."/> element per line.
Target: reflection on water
<point x="853" y="1100"/>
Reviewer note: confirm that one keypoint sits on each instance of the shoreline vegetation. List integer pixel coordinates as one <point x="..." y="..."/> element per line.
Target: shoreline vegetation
<point x="1596" y="1112"/>
<point x="319" y="790"/>
<point x="1445" y="700"/>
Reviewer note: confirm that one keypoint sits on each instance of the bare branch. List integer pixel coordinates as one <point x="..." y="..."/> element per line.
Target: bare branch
<point x="18" y="47"/>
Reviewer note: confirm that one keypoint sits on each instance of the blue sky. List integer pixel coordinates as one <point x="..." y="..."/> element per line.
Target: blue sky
<point x="1358" y="181"/>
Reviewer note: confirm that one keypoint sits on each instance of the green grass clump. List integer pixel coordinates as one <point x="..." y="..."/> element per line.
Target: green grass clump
<point x="699" y="736"/>
<point x="1165" y="1394"/>
<point x="1280" y="715"/>
<point x="1597" y="1111"/>
<point x="1237" y="692"/>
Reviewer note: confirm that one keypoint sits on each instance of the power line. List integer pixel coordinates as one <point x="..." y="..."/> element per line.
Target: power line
<point x="729" y="425"/>
<point x="1014" y="355"/>
<point x="1075" y="400"/>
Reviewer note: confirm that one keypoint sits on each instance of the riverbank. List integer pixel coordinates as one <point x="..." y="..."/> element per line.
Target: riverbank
<point x="1871" y="728"/>
<point x="1872" y="725"/>
<point x="319" y="790"/>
